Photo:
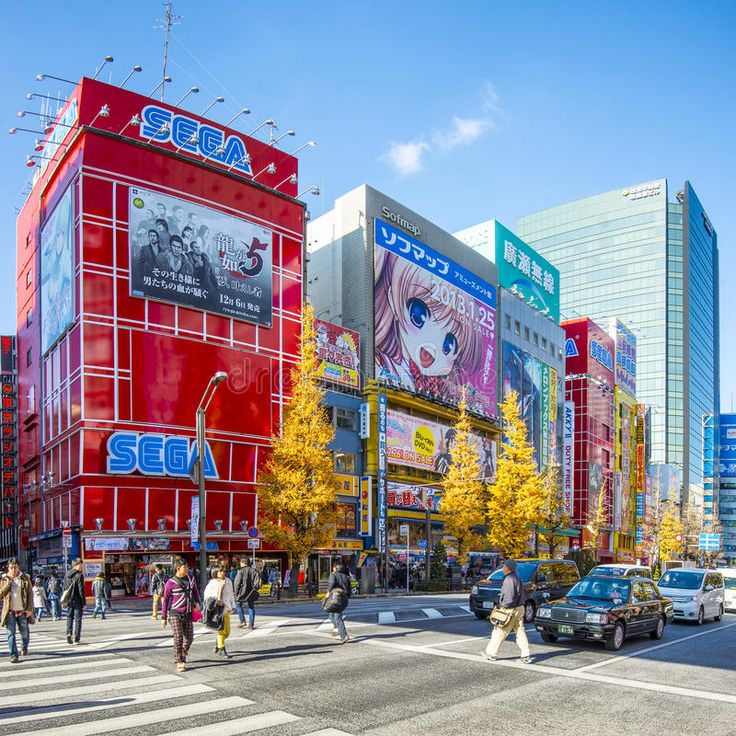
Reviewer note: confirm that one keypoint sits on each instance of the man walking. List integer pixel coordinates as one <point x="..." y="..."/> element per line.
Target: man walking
<point x="75" y="601"/>
<point x="100" y="593"/>
<point x="157" y="589"/>
<point x="17" y="611"/>
<point x="511" y="602"/>
<point x="246" y="586"/>
<point x="53" y="591"/>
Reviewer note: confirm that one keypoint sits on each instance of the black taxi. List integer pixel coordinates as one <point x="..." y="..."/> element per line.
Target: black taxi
<point x="606" y="608"/>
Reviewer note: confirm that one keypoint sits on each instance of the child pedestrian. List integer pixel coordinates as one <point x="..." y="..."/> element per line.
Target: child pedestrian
<point x="40" y="601"/>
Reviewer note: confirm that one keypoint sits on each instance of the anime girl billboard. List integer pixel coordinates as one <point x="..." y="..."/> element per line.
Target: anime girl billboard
<point x="435" y="323"/>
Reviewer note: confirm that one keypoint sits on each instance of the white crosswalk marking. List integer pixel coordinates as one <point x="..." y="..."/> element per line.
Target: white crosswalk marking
<point x="201" y="631"/>
<point x="432" y="613"/>
<point x="242" y="725"/>
<point x="327" y="732"/>
<point x="66" y="656"/>
<point x="266" y="628"/>
<point x="43" y="681"/>
<point x="45" y="669"/>
<point x="386" y="617"/>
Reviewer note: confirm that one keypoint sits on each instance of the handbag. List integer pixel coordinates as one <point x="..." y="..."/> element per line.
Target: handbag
<point x="196" y="615"/>
<point x="66" y="596"/>
<point x="335" y="601"/>
<point x="500" y="617"/>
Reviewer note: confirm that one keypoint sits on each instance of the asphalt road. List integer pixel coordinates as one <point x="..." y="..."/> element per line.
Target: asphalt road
<point x="412" y="667"/>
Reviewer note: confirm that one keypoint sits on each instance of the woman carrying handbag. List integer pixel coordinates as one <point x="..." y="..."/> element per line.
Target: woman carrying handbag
<point x="180" y="607"/>
<point x="336" y="601"/>
<point x="219" y="592"/>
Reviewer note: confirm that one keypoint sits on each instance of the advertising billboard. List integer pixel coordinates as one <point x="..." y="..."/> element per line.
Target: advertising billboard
<point x="338" y="353"/>
<point x="185" y="253"/>
<point x="568" y="453"/>
<point x="414" y="498"/>
<point x="625" y="362"/>
<point x="728" y="446"/>
<point x="435" y="323"/>
<point x="589" y="350"/>
<point x="526" y="274"/>
<point x="420" y="443"/>
<point x="57" y="271"/>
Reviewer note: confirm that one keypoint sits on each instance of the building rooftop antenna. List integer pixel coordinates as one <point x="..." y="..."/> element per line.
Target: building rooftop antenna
<point x="164" y="24"/>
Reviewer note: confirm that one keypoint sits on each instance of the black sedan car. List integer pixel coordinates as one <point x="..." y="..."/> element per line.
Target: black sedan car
<point x="608" y="609"/>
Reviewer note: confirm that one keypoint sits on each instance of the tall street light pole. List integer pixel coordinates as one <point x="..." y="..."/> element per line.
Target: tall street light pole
<point x="209" y="392"/>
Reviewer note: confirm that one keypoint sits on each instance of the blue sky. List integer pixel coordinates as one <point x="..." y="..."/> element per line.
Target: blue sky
<point x="463" y="111"/>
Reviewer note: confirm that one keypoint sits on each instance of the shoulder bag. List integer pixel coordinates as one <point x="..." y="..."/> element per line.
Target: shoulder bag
<point x="500" y="617"/>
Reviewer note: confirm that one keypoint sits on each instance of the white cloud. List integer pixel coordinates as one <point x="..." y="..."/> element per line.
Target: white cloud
<point x="409" y="157"/>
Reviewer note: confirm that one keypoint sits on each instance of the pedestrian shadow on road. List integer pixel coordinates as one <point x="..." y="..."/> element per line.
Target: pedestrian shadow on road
<point x="238" y="657"/>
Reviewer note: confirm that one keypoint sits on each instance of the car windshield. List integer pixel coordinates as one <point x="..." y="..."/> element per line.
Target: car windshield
<point x="681" y="579"/>
<point x="525" y="570"/>
<point x="601" y="589"/>
<point x="730" y="583"/>
<point x="603" y="570"/>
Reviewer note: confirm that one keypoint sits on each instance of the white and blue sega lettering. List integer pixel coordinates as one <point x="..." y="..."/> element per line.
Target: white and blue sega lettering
<point x="601" y="354"/>
<point x="164" y="126"/>
<point x="571" y="348"/>
<point x="155" y="454"/>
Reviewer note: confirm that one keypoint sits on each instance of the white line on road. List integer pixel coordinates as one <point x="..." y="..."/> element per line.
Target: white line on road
<point x="266" y="628"/>
<point x="240" y="725"/>
<point x="114" y="639"/>
<point x="386" y="617"/>
<point x="61" y="667"/>
<point x="145" y="718"/>
<point x="432" y="613"/>
<point x="17" y="684"/>
<point x="169" y="641"/>
<point x="456" y="641"/>
<point x="639" y="652"/>
<point x="39" y="662"/>
<point x="69" y="709"/>
<point x="327" y="732"/>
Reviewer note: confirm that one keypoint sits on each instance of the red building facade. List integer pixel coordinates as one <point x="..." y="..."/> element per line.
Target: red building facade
<point x="589" y="382"/>
<point x="123" y="333"/>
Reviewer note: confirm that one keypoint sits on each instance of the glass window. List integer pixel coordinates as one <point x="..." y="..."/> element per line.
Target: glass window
<point x="517" y="327"/>
<point x="526" y="334"/>
<point x="345" y="418"/>
<point x="507" y="322"/>
<point x="29" y="357"/>
<point x="29" y="276"/>
<point x="536" y="339"/>
<point x="344" y="462"/>
<point x="29" y="317"/>
<point x="544" y="344"/>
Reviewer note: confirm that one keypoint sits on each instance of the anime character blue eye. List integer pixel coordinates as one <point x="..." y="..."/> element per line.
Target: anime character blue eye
<point x="418" y="312"/>
<point x="450" y="344"/>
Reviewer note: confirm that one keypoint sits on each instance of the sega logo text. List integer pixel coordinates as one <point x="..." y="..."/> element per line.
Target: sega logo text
<point x="155" y="454"/>
<point x="164" y="126"/>
<point x="601" y="354"/>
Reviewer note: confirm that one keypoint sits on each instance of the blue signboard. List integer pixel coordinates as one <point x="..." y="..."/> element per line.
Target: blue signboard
<point x="709" y="542"/>
<point x="728" y="446"/>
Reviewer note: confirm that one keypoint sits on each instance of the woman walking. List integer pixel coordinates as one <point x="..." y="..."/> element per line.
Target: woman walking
<point x="339" y="582"/>
<point x="220" y="588"/>
<point x="181" y="598"/>
<point x="40" y="601"/>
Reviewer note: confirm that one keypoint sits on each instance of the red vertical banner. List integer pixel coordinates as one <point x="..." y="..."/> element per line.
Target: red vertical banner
<point x="8" y="449"/>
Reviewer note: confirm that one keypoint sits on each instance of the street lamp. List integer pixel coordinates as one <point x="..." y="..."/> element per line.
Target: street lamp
<point x="209" y="392"/>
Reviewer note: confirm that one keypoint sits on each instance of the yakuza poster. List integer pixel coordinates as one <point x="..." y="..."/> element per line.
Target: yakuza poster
<point x="435" y="323"/>
<point x="185" y="253"/>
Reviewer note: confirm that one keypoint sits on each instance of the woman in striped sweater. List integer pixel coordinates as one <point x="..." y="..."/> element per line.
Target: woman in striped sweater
<point x="181" y="597"/>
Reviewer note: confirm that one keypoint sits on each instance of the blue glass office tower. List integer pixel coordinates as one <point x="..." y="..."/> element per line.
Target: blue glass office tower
<point x="652" y="260"/>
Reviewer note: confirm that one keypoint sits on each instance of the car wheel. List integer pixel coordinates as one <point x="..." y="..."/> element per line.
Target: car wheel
<point x="530" y="611"/>
<point x="481" y="615"/>
<point x="549" y="638"/>
<point x="617" y="639"/>
<point x="701" y="617"/>
<point x="658" y="633"/>
<point x="720" y="614"/>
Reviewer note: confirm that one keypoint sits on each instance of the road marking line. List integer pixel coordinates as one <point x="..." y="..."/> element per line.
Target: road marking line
<point x="16" y="684"/>
<point x="432" y="613"/>
<point x="42" y="662"/>
<point x="622" y="657"/>
<point x="325" y="625"/>
<point x="387" y="617"/>
<point x="114" y="639"/>
<point x="241" y="725"/>
<point x="557" y="672"/>
<point x="327" y="732"/>
<point x="266" y="628"/>
<point x="169" y="641"/>
<point x="456" y="641"/>
<point x="138" y="720"/>
<point x="60" y="667"/>
<point x="76" y="692"/>
<point x="466" y="608"/>
<point x="65" y="709"/>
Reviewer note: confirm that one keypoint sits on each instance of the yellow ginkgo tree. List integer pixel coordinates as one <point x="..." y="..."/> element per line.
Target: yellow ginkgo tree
<point x="298" y="492"/>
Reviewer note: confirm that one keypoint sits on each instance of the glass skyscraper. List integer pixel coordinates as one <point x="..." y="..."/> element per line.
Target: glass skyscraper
<point x="634" y="254"/>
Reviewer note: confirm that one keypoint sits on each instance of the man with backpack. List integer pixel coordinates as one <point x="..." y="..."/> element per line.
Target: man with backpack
<point x="53" y="592"/>
<point x="157" y="589"/>
<point x="75" y="600"/>
<point x="246" y="585"/>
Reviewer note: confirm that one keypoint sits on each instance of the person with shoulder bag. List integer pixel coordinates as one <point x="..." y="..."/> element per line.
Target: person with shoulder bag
<point x="53" y="590"/>
<point x="75" y="600"/>
<point x="219" y="601"/>
<point x="336" y="601"/>
<point x="17" y="612"/>
<point x="508" y="616"/>
<point x="180" y="603"/>
<point x="246" y="586"/>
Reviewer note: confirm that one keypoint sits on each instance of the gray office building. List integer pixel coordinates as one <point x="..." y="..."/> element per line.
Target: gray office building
<point x="649" y="256"/>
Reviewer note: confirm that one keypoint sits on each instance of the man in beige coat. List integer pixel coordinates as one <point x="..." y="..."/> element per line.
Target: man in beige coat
<point x="17" y="612"/>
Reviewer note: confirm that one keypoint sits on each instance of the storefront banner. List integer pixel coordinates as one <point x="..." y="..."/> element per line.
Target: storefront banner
<point x="185" y="253"/>
<point x="544" y="417"/>
<point x="194" y="521"/>
<point x="568" y="454"/>
<point x="415" y="498"/>
<point x="338" y="353"/>
<point x="348" y="485"/>
<point x="625" y="347"/>
<point x="617" y="501"/>
<point x="421" y="443"/>
<point x="149" y="543"/>
<point x="435" y="323"/>
<point x="366" y="507"/>
<point x="57" y="271"/>
<point x="382" y="463"/>
<point x="106" y="544"/>
<point x="553" y="379"/>
<point x="727" y="454"/>
<point x="9" y="455"/>
<point x="92" y="569"/>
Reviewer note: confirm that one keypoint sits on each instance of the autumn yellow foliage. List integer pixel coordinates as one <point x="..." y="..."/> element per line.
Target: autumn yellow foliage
<point x="669" y="527"/>
<point x="516" y="500"/>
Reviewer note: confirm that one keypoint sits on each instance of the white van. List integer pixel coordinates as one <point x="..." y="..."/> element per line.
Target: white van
<point x="697" y="594"/>
<point x="729" y="583"/>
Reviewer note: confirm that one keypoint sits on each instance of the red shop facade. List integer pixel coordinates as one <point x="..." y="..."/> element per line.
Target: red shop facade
<point x="153" y="251"/>
<point x="589" y="383"/>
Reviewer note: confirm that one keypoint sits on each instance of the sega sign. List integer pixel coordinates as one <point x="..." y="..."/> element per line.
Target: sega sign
<point x="601" y="355"/>
<point x="164" y="126"/>
<point x="155" y="454"/>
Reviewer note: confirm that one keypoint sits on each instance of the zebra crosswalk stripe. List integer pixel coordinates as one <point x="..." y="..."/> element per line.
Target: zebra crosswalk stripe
<point x="44" y="681"/>
<point x="44" y="668"/>
<point x="266" y="628"/>
<point x="66" y="656"/>
<point x="242" y="725"/>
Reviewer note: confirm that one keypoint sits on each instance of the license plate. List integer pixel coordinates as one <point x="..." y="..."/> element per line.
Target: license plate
<point x="565" y="629"/>
<point x="487" y="604"/>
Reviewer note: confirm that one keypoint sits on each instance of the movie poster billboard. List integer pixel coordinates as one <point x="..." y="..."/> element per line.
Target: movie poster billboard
<point x="57" y="271"/>
<point x="420" y="443"/>
<point x="185" y="253"/>
<point x="435" y="323"/>
<point x="338" y="353"/>
<point x="413" y="498"/>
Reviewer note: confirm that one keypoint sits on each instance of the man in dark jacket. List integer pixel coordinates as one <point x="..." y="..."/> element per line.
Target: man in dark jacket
<point x="157" y="589"/>
<point x="340" y="580"/>
<point x="75" y="601"/>
<point x="246" y="585"/>
<point x="511" y="601"/>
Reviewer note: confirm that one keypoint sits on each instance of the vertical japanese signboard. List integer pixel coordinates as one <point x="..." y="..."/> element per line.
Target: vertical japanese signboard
<point x="366" y="510"/>
<point x="9" y="447"/>
<point x="382" y="511"/>
<point x="544" y="424"/>
<point x="641" y="478"/>
<point x="568" y="453"/>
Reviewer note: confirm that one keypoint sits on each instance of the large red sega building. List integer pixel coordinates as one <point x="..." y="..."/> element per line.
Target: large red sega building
<point x="589" y="384"/>
<point x="136" y="364"/>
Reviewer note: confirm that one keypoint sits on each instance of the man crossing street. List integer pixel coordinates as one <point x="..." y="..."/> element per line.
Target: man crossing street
<point x="17" y="611"/>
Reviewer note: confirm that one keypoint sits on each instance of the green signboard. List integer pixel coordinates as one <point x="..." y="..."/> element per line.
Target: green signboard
<point x="525" y="273"/>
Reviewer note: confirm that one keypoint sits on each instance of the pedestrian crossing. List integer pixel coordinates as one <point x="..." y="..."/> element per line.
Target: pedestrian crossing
<point x="65" y="689"/>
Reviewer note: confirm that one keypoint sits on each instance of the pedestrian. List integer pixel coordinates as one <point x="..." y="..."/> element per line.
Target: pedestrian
<point x="511" y="603"/>
<point x="247" y="591"/>
<point x="157" y="589"/>
<point x="220" y="589"/>
<point x="100" y="592"/>
<point x="181" y="598"/>
<point x="338" y="581"/>
<point x="17" y="611"/>
<point x="53" y="591"/>
<point x="40" y="601"/>
<point x="75" y="600"/>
